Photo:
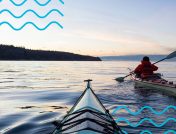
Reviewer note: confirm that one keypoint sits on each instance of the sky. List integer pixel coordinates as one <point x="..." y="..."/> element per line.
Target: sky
<point x="95" y="27"/>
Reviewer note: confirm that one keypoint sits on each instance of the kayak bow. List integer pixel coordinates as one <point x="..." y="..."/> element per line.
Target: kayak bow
<point x="88" y="116"/>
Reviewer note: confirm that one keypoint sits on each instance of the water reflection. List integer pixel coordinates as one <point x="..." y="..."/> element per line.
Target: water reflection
<point x="34" y="94"/>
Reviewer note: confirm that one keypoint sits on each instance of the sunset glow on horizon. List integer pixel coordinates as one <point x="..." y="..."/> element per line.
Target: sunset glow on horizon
<point x="98" y="27"/>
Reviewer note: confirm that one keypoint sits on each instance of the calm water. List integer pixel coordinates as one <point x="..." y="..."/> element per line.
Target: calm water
<point x="34" y="94"/>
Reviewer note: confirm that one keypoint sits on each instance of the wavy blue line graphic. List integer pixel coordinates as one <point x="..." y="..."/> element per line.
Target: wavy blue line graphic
<point x="145" y="107"/>
<point x="124" y="132"/>
<point x="170" y="131"/>
<point x="36" y="1"/>
<point x="146" y="131"/>
<point x="149" y="132"/>
<point x="143" y="120"/>
<point x="31" y="23"/>
<point x="32" y="11"/>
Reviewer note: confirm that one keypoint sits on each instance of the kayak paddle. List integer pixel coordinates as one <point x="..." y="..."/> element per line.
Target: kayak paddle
<point x="170" y="56"/>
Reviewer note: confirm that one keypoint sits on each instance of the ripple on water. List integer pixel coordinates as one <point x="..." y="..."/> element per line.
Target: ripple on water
<point x="42" y="92"/>
<point x="10" y="120"/>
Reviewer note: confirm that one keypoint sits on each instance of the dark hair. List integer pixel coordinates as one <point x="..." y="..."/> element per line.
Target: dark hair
<point x="146" y="58"/>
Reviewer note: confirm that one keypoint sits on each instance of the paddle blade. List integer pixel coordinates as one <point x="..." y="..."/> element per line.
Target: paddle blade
<point x="172" y="55"/>
<point x="120" y="79"/>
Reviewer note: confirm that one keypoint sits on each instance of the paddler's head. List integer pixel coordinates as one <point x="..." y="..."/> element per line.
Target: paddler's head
<point x="146" y="58"/>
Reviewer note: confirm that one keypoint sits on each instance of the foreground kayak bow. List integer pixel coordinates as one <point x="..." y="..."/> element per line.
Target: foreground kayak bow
<point x="88" y="116"/>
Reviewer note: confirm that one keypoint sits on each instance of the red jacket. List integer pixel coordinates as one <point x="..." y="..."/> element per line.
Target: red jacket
<point x="145" y="69"/>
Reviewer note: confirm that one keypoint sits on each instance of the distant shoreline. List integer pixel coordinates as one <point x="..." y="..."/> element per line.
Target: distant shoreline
<point x="12" y="53"/>
<point x="134" y="58"/>
<point x="53" y="60"/>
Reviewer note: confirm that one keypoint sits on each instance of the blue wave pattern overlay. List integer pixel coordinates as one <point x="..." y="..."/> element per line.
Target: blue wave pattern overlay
<point x="34" y="12"/>
<point x="40" y="4"/>
<point x="119" y="120"/>
<point x="149" y="132"/>
<point x="31" y="23"/>
<point x="145" y="107"/>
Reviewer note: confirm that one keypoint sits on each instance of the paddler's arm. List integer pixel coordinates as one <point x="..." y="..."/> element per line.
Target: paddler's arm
<point x="154" y="68"/>
<point x="138" y="70"/>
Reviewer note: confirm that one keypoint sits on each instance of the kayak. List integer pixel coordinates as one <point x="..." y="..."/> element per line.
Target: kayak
<point x="88" y="116"/>
<point x="156" y="84"/>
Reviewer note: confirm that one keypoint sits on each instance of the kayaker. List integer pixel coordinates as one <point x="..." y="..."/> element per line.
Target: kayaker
<point x="145" y="69"/>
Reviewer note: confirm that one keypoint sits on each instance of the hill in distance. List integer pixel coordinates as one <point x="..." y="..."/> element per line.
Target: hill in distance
<point x="10" y="52"/>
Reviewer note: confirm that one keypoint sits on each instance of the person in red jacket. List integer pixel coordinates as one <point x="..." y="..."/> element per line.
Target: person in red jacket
<point x="145" y="69"/>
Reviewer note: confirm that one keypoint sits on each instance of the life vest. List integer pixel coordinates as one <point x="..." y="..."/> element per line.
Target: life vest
<point x="145" y="69"/>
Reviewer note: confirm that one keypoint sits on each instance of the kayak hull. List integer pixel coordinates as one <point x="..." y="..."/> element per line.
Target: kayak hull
<point x="88" y="116"/>
<point x="86" y="122"/>
<point x="164" y="88"/>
